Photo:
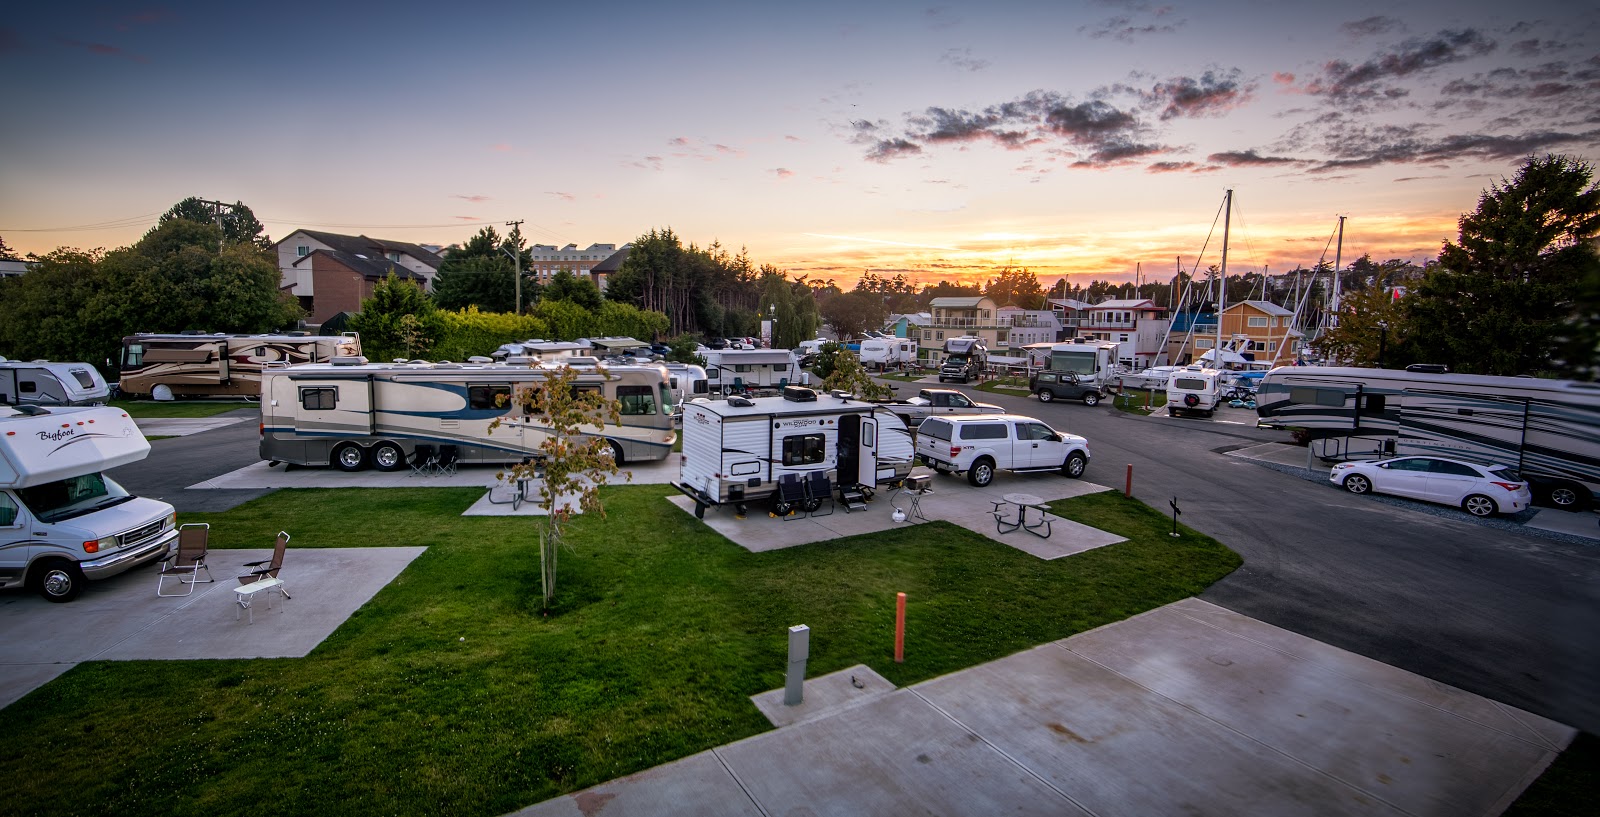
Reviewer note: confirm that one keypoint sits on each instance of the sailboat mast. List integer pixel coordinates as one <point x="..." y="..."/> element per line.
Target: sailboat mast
<point x="1333" y="301"/>
<point x="1222" y="279"/>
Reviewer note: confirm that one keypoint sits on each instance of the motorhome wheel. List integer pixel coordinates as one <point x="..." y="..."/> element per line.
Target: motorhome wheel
<point x="1074" y="465"/>
<point x="58" y="580"/>
<point x="1091" y="398"/>
<point x="1566" y="497"/>
<point x="388" y="457"/>
<point x="349" y="457"/>
<point x="616" y="452"/>
<point x="1046" y="395"/>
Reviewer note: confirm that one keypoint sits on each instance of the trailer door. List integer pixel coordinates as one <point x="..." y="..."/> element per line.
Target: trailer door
<point x="867" y="446"/>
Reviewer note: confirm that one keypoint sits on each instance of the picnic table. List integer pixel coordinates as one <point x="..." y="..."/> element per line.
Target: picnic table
<point x="1023" y="503"/>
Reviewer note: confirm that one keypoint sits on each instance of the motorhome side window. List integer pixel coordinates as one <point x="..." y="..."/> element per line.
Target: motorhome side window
<point x="8" y="511"/>
<point x="488" y="398"/>
<point x="803" y="449"/>
<point x="636" y="400"/>
<point x="319" y="398"/>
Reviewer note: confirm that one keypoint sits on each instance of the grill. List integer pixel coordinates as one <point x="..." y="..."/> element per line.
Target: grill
<point x="140" y="534"/>
<point x="918" y="483"/>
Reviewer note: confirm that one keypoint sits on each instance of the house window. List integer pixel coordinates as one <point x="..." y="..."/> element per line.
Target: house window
<point x="927" y="334"/>
<point x="1257" y="321"/>
<point x="636" y="400"/>
<point x="487" y="398"/>
<point x="1000" y="338"/>
<point x="319" y="398"/>
<point x="940" y="335"/>
<point x="804" y="449"/>
<point x="302" y="250"/>
<point x="1122" y="338"/>
<point x="1202" y="343"/>
<point x="1272" y="346"/>
<point x="395" y="257"/>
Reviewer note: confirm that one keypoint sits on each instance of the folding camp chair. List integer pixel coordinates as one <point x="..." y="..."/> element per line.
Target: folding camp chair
<point x="791" y="499"/>
<point x="819" y="489"/>
<point x="263" y="577"/>
<point x="448" y="456"/>
<point x="188" y="560"/>
<point x="425" y="460"/>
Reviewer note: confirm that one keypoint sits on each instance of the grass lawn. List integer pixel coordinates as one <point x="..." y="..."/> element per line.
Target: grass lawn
<point x="1133" y="401"/>
<point x="1005" y="385"/>
<point x="449" y="693"/>
<point x="149" y="409"/>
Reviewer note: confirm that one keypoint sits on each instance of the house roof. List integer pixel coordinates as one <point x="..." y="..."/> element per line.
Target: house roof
<point x="613" y="261"/>
<point x="1268" y="307"/>
<point x="1126" y="303"/>
<point x="366" y="245"/>
<point x="958" y="303"/>
<point x="364" y="264"/>
<point x="1071" y="303"/>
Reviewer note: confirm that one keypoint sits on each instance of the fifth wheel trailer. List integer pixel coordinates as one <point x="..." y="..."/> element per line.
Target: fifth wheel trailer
<point x="1548" y="429"/>
<point x="219" y="365"/>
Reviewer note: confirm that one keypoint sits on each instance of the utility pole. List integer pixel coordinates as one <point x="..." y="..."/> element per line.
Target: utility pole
<point x="216" y="216"/>
<point x="516" y="260"/>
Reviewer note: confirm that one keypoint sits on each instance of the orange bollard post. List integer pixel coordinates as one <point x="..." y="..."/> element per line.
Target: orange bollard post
<point x="900" y="628"/>
<point x="1127" y="490"/>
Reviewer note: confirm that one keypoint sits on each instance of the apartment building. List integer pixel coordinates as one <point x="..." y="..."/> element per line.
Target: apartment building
<point x="548" y="260"/>
<point x="1136" y="325"/>
<point x="300" y="277"/>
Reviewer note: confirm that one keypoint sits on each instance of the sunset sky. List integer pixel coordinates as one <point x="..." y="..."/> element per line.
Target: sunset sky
<point x="934" y="139"/>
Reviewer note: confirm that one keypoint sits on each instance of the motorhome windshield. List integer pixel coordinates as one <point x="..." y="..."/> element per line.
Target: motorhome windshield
<point x="1075" y="362"/>
<point x="958" y="359"/>
<point x="72" y="497"/>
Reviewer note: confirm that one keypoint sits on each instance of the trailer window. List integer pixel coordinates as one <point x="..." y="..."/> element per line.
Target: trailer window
<point x="83" y="377"/>
<point x="636" y="400"/>
<point x="488" y="398"/>
<point x="27" y="387"/>
<point x="1372" y="404"/>
<point x="1320" y="397"/>
<point x="319" y="398"/>
<point x="1189" y="384"/>
<point x="803" y="449"/>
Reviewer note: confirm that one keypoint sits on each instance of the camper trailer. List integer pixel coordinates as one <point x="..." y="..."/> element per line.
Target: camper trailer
<point x="63" y="521"/>
<point x="965" y="359"/>
<point x="1194" y="390"/>
<point x="887" y="353"/>
<point x="1093" y="361"/>
<point x="735" y="450"/>
<point x="353" y="415"/>
<point x="218" y="365"/>
<point x="730" y="371"/>
<point x="1548" y="429"/>
<point x="687" y="382"/>
<point x="41" y="383"/>
<point x="540" y="351"/>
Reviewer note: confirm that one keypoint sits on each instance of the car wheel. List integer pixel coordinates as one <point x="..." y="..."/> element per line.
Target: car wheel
<point x="388" y="457"/>
<point x="1074" y="465"/>
<point x="727" y="390"/>
<point x="1046" y="395"/>
<point x="1357" y="484"/>
<point x="58" y="580"/>
<point x="1091" y="398"/>
<point x="1479" y="505"/>
<point x="981" y="473"/>
<point x="349" y="457"/>
<point x="1567" y="497"/>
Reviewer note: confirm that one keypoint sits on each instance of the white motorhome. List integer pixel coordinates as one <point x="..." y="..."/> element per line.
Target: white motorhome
<point x="357" y="414"/>
<point x="735" y="370"/>
<point x="735" y="450"/>
<point x="62" y="521"/>
<point x="1093" y="361"/>
<point x="1193" y="390"/>
<point x="965" y="358"/>
<point x="42" y="383"/>
<point x="887" y="352"/>
<point x="195" y="365"/>
<point x="1548" y="429"/>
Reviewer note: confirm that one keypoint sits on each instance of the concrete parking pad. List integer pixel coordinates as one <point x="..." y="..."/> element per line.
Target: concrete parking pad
<point x="1186" y="709"/>
<point x="824" y="695"/>
<point x="182" y="426"/>
<point x="952" y="500"/>
<point x="1585" y="524"/>
<point x="122" y="618"/>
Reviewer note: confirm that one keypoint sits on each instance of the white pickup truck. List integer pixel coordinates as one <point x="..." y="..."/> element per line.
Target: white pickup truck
<point x="62" y="521"/>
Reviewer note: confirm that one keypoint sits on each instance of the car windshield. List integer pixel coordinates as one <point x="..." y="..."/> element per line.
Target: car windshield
<point x="72" y="497"/>
<point x="1505" y="473"/>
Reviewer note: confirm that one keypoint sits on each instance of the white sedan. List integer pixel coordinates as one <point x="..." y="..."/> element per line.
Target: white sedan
<point x="1481" y="490"/>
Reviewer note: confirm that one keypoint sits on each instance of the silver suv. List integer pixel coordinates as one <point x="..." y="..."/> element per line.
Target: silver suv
<point x="983" y="444"/>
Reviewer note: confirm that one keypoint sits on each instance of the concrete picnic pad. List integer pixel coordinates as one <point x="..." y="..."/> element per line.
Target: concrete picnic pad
<point x="122" y="618"/>
<point x="951" y="500"/>
<point x="182" y="426"/>
<point x="1185" y="709"/>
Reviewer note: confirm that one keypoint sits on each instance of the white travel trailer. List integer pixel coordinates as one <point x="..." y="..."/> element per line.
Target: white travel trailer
<point x="687" y="382"/>
<point x="357" y="414"/>
<point x="62" y="521"/>
<point x="735" y="450"/>
<point x="735" y="370"/>
<point x="1193" y="390"/>
<point x="1548" y="429"/>
<point x="1093" y="361"/>
<point x="540" y="351"/>
<point x="887" y="352"/>
<point x="41" y="383"/>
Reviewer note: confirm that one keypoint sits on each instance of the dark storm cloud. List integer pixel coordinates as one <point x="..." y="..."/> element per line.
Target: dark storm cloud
<point x="1210" y="94"/>
<point x="1371" y="27"/>
<point x="1339" y="80"/>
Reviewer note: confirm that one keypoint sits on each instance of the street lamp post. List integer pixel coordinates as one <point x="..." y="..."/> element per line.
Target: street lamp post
<point x="772" y="316"/>
<point x="1383" y="340"/>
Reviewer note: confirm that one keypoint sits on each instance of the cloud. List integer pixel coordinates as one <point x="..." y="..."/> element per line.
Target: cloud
<point x="1180" y="167"/>
<point x="789" y="138"/>
<point x="886" y="150"/>
<point x="473" y="199"/>
<point x="1248" y="158"/>
<point x="783" y="172"/>
<point x="1357" y="146"/>
<point x="466" y="218"/>
<point x="1211" y="94"/>
<point x="141" y="18"/>
<point x="102" y="49"/>
<point x="655" y="163"/>
<point x="1341" y="81"/>
<point x="962" y="58"/>
<point x="728" y="151"/>
<point x="501" y="147"/>
<point x="1372" y="26"/>
<point x="940" y="18"/>
<point x="678" y="141"/>
<point x="1141" y="20"/>
<point x="563" y="196"/>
